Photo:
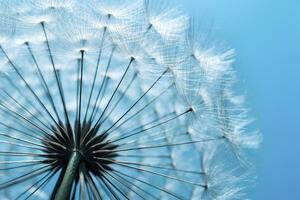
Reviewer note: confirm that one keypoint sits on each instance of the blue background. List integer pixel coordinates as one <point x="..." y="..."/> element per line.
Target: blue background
<point x="266" y="36"/>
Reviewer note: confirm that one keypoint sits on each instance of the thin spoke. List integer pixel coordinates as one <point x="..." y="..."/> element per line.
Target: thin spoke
<point x="24" y="118"/>
<point x="21" y="161"/>
<point x="117" y="139"/>
<point x="102" y="91"/>
<point x="20" y="166"/>
<point x="127" y="135"/>
<point x="150" y="135"/>
<point x="41" y="186"/>
<point x="151" y="185"/>
<point x="107" y="104"/>
<point x="21" y="145"/>
<point x="125" y="185"/>
<point x="93" y="187"/>
<point x="78" y="118"/>
<point x="145" y="156"/>
<point x="23" y="107"/>
<point x="95" y="74"/>
<point x="75" y="187"/>
<point x="89" y="192"/>
<point x="22" y="140"/>
<point x="117" y="188"/>
<point x="24" y="177"/>
<point x="33" y="185"/>
<point x="90" y="182"/>
<point x="135" y="103"/>
<point x="102" y="84"/>
<point x="143" y="108"/>
<point x="103" y="186"/>
<point x="81" y="184"/>
<point x="77" y="88"/>
<point x="136" y="186"/>
<point x="149" y="123"/>
<point x="80" y="84"/>
<point x="28" y="86"/>
<point x="152" y="172"/>
<point x="20" y="118"/>
<point x="119" y="100"/>
<point x="111" y="192"/>
<point x="60" y="89"/>
<point x="44" y="83"/>
<point x="115" y="90"/>
<point x="22" y="94"/>
<point x="162" y="167"/>
<point x="15" y="153"/>
<point x="68" y="133"/>
<point x="33" y="136"/>
<point x="22" y="132"/>
<point x="135" y="142"/>
<point x="158" y="146"/>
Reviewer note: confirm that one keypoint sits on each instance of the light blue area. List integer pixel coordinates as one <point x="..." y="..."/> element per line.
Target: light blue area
<point x="266" y="35"/>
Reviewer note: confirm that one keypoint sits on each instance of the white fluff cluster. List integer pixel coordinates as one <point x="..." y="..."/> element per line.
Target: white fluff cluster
<point x="163" y="96"/>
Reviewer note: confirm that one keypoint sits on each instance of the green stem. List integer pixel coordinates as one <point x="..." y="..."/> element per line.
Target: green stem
<point x="65" y="187"/>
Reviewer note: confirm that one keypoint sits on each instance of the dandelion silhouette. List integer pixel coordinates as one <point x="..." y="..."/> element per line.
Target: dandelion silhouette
<point x="116" y="100"/>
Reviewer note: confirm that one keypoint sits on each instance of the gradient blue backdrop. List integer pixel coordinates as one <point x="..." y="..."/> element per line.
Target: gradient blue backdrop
<point x="266" y="36"/>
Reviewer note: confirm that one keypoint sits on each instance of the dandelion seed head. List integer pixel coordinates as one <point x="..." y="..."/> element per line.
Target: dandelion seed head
<point x="105" y="100"/>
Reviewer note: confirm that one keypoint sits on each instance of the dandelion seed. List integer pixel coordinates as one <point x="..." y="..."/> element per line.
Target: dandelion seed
<point x="102" y="100"/>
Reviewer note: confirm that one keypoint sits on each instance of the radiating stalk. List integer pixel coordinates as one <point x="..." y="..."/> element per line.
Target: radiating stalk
<point x="65" y="187"/>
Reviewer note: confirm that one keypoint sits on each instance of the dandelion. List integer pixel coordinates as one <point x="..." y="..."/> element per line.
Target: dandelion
<point x="122" y="100"/>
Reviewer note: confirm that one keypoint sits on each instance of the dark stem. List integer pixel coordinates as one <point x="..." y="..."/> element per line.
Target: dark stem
<point x="65" y="187"/>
